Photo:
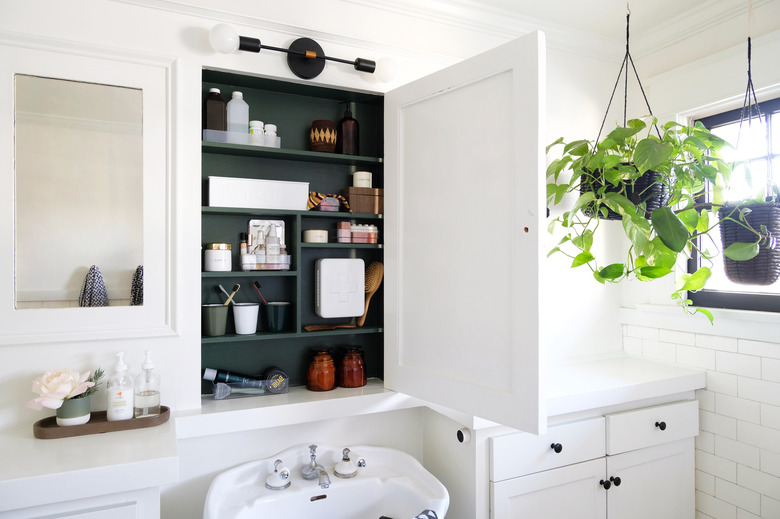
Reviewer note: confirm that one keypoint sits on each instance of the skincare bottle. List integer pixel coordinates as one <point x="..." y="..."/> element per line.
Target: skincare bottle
<point x="214" y="111"/>
<point x="120" y="392"/>
<point x="237" y="114"/>
<point x="347" y="134"/>
<point x="147" y="390"/>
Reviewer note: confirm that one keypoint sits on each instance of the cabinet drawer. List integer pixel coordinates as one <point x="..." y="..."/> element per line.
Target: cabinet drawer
<point x="517" y="454"/>
<point x="652" y="426"/>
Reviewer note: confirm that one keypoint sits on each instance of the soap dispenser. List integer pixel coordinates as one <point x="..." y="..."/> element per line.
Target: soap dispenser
<point x="120" y="392"/>
<point x="347" y="134"/>
<point x="147" y="390"/>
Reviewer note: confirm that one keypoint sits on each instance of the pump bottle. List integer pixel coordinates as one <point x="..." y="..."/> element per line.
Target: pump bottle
<point x="347" y="135"/>
<point x="120" y="392"/>
<point x="147" y="390"/>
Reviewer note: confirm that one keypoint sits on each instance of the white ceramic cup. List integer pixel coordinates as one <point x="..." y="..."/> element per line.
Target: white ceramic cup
<point x="245" y="317"/>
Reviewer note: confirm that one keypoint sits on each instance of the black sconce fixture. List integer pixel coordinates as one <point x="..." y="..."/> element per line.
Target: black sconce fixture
<point x="305" y="57"/>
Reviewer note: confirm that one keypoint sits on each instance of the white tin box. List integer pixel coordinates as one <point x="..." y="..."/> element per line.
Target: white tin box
<point x="340" y="287"/>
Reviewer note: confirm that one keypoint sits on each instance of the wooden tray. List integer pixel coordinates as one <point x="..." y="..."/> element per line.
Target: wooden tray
<point x="47" y="429"/>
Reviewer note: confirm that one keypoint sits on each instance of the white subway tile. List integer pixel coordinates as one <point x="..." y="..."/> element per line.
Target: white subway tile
<point x="738" y="364"/>
<point x="770" y="369"/>
<point x="770" y="507"/>
<point x="686" y="338"/>
<point x="696" y="357"/>
<point x="705" y="441"/>
<point x="714" y="507"/>
<point x="761" y="349"/>
<point x="706" y="399"/>
<point x="705" y="482"/>
<point x="744" y="514"/>
<point x="758" y="435"/>
<point x="737" y="495"/>
<point x="722" y="383"/>
<point x="770" y="416"/>
<point x="702" y="515"/>
<point x="770" y="463"/>
<point x="766" y="484"/>
<point x="759" y="390"/>
<point x="738" y="408"/>
<point x="632" y="345"/>
<point x="641" y="332"/>
<point x="664" y="351"/>
<point x="716" y="342"/>
<point x="718" y="467"/>
<point x="739" y="452"/>
<point x="717" y="424"/>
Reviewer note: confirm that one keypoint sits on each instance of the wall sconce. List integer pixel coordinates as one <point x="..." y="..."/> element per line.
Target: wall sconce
<point x="305" y="57"/>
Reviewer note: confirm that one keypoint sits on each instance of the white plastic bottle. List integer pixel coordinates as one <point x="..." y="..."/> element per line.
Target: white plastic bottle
<point x="147" y="390"/>
<point x="120" y="392"/>
<point x="237" y="114"/>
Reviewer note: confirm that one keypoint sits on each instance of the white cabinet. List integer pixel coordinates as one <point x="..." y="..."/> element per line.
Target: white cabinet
<point x="652" y="477"/>
<point x="144" y="503"/>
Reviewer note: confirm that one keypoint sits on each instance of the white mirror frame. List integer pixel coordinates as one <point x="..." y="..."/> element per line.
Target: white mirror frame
<point x="94" y="65"/>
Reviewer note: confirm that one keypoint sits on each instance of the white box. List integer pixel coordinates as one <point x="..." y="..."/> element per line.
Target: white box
<point x="340" y="287"/>
<point x="258" y="194"/>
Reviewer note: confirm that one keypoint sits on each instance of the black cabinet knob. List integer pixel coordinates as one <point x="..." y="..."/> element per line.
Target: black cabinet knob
<point x="615" y="481"/>
<point x="605" y="484"/>
<point x="557" y="447"/>
<point x="661" y="425"/>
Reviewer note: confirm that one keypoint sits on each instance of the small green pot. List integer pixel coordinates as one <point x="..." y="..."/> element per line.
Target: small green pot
<point x="74" y="411"/>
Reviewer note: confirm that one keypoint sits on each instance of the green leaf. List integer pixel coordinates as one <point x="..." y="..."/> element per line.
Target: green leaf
<point x="613" y="271"/>
<point x="621" y="134"/>
<point x="558" y="141"/>
<point x="697" y="280"/>
<point x="707" y="314"/>
<point x="610" y="161"/>
<point x="582" y="201"/>
<point x="649" y="153"/>
<point x="619" y="203"/>
<point x="654" y="272"/>
<point x="584" y="241"/>
<point x="577" y="148"/>
<point x="704" y="221"/>
<point x="690" y="218"/>
<point x="638" y="231"/>
<point x="741" y="251"/>
<point x="660" y="255"/>
<point x="672" y="231"/>
<point x="556" y="166"/>
<point x="598" y="278"/>
<point x="581" y="259"/>
<point x="553" y="251"/>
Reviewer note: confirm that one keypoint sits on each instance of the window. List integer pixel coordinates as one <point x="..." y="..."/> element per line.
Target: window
<point x="758" y="145"/>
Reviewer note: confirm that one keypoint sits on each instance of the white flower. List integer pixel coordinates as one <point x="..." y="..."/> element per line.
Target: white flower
<point x="56" y="386"/>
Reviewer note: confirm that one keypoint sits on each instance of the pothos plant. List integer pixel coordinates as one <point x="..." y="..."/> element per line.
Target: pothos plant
<point x="682" y="164"/>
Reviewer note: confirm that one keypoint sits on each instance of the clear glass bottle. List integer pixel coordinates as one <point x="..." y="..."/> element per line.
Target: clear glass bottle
<point x="120" y="392"/>
<point x="147" y="390"/>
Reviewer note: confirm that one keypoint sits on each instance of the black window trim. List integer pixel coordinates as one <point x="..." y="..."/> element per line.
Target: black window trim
<point x="709" y="298"/>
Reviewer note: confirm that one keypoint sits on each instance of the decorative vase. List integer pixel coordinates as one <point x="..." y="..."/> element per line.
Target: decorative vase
<point x="323" y="136"/>
<point x="74" y="411"/>
<point x="763" y="269"/>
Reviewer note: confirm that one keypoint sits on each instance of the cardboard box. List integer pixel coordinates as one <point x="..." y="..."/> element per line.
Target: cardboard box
<point x="258" y="194"/>
<point x="365" y="199"/>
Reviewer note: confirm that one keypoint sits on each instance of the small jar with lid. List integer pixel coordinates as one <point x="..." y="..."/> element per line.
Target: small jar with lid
<point x="217" y="257"/>
<point x="322" y="372"/>
<point x="352" y="369"/>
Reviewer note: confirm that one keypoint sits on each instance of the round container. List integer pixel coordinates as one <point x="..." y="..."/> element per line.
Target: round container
<point x="217" y="257"/>
<point x="322" y="373"/>
<point x="315" y="236"/>
<point x="361" y="179"/>
<point x="256" y="127"/>
<point x="270" y="129"/>
<point x="352" y="370"/>
<point x="323" y="136"/>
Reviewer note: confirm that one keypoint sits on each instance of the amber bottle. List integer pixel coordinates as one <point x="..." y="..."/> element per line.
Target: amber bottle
<point x="322" y="373"/>
<point x="352" y="369"/>
<point x="347" y="134"/>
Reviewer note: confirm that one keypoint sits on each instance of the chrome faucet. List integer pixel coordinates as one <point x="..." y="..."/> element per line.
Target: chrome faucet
<point x="313" y="470"/>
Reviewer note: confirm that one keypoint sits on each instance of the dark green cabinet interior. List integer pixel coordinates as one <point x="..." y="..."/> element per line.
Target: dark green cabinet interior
<point x="292" y="107"/>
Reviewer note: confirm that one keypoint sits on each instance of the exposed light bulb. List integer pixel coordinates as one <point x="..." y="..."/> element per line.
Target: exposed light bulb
<point x="223" y="38"/>
<point x="386" y="69"/>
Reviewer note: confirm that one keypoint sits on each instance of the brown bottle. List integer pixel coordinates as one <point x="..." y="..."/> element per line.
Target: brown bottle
<point x="322" y="373"/>
<point x="347" y="134"/>
<point x="214" y="111"/>
<point x="352" y="371"/>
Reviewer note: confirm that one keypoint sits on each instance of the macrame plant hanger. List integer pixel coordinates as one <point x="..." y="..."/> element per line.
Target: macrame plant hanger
<point x="627" y="59"/>
<point x="751" y="110"/>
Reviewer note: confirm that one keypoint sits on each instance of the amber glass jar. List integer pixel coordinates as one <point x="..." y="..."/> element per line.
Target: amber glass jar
<point x="352" y="369"/>
<point x="322" y="373"/>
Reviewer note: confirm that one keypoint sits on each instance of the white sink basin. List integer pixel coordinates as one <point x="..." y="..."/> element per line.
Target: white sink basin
<point x="392" y="484"/>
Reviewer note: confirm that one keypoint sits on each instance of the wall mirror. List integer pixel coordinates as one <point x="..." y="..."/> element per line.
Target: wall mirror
<point x="79" y="193"/>
<point x="85" y="183"/>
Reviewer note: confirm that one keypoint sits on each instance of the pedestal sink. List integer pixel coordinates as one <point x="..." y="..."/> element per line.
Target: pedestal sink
<point x="392" y="484"/>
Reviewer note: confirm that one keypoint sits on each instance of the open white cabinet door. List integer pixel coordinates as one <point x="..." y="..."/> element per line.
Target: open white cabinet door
<point x="464" y="202"/>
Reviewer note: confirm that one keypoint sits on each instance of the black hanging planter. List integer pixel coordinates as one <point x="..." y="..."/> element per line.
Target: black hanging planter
<point x="764" y="269"/>
<point x="645" y="189"/>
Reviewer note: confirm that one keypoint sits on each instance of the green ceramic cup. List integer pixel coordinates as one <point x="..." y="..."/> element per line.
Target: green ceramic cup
<point x="276" y="313"/>
<point x="214" y="318"/>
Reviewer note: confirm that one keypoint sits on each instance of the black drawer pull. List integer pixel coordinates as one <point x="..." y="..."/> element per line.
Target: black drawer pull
<point x="615" y="481"/>
<point x="605" y="484"/>
<point x="661" y="425"/>
<point x="557" y="447"/>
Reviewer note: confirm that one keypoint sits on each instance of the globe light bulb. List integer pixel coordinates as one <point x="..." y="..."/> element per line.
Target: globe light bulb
<point x="386" y="70"/>
<point x="223" y="38"/>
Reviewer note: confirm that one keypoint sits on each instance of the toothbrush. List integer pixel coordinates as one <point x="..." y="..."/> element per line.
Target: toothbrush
<point x="221" y="288"/>
<point x="257" y="289"/>
<point x="230" y="298"/>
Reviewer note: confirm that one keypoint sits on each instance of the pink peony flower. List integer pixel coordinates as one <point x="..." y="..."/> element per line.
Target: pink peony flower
<point x="56" y="386"/>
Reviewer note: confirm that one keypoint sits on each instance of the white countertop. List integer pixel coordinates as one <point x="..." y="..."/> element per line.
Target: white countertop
<point x="38" y="472"/>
